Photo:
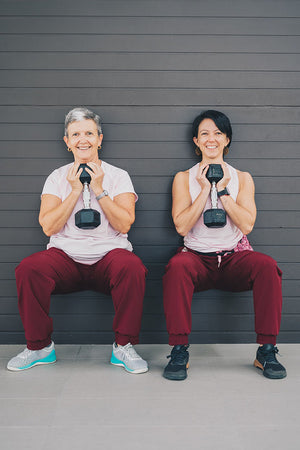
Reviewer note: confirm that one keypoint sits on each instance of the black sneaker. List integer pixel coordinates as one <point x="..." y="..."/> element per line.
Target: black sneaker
<point x="177" y="366"/>
<point x="266" y="360"/>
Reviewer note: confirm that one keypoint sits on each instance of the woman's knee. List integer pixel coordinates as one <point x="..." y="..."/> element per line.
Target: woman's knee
<point x="180" y="263"/>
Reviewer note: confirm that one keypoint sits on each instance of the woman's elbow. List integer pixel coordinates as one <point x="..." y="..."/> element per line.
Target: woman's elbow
<point x="180" y="230"/>
<point x="246" y="229"/>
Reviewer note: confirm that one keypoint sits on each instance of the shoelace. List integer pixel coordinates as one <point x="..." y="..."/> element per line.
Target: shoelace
<point x="178" y="356"/>
<point x="270" y="356"/>
<point x="26" y="352"/>
<point x="130" y="351"/>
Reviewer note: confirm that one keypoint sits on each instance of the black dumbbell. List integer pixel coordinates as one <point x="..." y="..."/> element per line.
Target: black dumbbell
<point x="86" y="218"/>
<point x="214" y="217"/>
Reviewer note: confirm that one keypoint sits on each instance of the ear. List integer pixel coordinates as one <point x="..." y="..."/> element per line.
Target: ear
<point x="100" y="139"/>
<point x="195" y="140"/>
<point x="66" y="141"/>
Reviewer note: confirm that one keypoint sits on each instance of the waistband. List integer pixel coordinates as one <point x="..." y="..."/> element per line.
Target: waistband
<point x="220" y="253"/>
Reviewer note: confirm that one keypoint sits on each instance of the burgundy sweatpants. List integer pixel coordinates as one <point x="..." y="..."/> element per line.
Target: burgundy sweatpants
<point x="189" y="272"/>
<point x="120" y="273"/>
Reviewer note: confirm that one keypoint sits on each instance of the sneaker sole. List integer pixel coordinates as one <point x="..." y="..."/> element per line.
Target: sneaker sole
<point x="258" y="365"/>
<point x="174" y="376"/>
<point x="117" y="362"/>
<point x="51" y="359"/>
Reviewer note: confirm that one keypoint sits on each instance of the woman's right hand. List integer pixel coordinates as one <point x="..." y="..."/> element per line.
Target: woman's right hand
<point x="73" y="178"/>
<point x="201" y="176"/>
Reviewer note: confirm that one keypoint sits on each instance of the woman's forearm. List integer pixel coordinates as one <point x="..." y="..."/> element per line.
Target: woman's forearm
<point x="119" y="218"/>
<point x="185" y="220"/>
<point x="54" y="219"/>
<point x="240" y="216"/>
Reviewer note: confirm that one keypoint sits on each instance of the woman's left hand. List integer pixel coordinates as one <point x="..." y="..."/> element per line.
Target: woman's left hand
<point x="226" y="178"/>
<point x="97" y="175"/>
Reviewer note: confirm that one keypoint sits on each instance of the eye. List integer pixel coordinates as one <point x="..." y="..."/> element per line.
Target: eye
<point x="75" y="134"/>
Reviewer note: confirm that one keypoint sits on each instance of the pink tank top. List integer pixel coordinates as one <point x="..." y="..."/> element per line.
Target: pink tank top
<point x="204" y="239"/>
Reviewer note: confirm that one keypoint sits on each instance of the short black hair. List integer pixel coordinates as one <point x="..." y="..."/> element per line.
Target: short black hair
<point x="221" y="120"/>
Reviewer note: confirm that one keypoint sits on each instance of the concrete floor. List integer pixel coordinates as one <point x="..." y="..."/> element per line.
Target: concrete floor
<point x="83" y="402"/>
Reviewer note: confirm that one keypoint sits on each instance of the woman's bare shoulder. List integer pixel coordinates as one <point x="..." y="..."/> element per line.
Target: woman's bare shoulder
<point x="245" y="178"/>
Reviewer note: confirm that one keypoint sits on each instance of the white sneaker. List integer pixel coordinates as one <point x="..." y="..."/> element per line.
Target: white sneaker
<point x="127" y="357"/>
<point x="30" y="358"/>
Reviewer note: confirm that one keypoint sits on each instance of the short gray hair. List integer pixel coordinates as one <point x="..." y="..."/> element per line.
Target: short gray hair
<point x="82" y="113"/>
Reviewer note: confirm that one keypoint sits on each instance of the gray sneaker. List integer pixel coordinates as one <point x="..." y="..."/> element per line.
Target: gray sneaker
<point x="30" y="358"/>
<point x="127" y="357"/>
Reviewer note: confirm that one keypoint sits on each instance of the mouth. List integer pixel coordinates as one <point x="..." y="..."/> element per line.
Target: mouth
<point x="84" y="147"/>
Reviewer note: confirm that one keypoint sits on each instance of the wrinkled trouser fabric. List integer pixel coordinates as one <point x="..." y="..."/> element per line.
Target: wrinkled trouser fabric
<point x="120" y="274"/>
<point x="189" y="272"/>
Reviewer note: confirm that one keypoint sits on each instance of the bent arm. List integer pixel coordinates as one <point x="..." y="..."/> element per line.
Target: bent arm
<point x="243" y="211"/>
<point x="120" y="211"/>
<point x="54" y="213"/>
<point x="185" y="213"/>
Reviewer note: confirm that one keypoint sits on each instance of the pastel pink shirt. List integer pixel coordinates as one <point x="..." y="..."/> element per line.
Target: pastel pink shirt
<point x="204" y="239"/>
<point x="89" y="246"/>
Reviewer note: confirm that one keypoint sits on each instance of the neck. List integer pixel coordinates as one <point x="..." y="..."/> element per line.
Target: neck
<point x="212" y="160"/>
<point x="86" y="161"/>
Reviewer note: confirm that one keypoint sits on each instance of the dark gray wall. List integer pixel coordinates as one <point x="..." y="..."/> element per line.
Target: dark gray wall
<point x="148" y="67"/>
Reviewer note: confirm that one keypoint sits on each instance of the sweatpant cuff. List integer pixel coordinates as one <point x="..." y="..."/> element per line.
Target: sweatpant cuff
<point x="123" y="339"/>
<point x="38" y="345"/>
<point x="178" y="339"/>
<point x="266" y="339"/>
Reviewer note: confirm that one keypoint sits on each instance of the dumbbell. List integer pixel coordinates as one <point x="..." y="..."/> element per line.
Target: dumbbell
<point x="214" y="217"/>
<point x="86" y="218"/>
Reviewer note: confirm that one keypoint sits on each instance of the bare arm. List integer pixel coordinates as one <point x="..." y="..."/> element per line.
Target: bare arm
<point x="120" y="211"/>
<point x="53" y="212"/>
<point x="243" y="211"/>
<point x="185" y="213"/>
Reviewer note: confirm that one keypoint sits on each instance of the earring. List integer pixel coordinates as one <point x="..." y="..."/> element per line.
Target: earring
<point x="99" y="147"/>
<point x="69" y="150"/>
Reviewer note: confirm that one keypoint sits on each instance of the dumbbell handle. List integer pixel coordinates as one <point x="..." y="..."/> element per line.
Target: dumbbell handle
<point x="86" y="196"/>
<point x="214" y="195"/>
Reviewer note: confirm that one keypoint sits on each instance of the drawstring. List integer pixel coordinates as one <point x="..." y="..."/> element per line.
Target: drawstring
<point x="219" y="260"/>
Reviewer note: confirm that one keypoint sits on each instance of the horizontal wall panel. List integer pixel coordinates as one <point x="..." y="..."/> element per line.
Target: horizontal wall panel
<point x="152" y="337"/>
<point x="101" y="304"/>
<point x="111" y="151"/>
<point x="291" y="271"/>
<point x="147" y="79"/>
<point x="100" y="25"/>
<point x="103" y="322"/>
<point x="153" y="253"/>
<point x="34" y="184"/>
<point x="151" y="61"/>
<point x="163" y="202"/>
<point x="158" y="219"/>
<point x="159" y="167"/>
<point x="136" y="8"/>
<point x="144" y="132"/>
<point x="176" y="115"/>
<point x="147" y="43"/>
<point x="144" y="236"/>
<point x="115" y="96"/>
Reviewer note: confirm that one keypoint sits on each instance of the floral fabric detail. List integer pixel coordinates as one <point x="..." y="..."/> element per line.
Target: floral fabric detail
<point x="243" y="244"/>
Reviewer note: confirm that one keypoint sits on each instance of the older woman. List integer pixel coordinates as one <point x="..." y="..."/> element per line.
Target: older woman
<point x="216" y="252"/>
<point x="83" y="252"/>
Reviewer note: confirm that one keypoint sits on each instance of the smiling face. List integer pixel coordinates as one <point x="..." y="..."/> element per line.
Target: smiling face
<point x="83" y="140"/>
<point x="211" y="141"/>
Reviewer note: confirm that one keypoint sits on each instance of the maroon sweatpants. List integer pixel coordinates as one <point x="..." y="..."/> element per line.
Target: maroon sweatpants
<point x="189" y="272"/>
<point x="120" y="273"/>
